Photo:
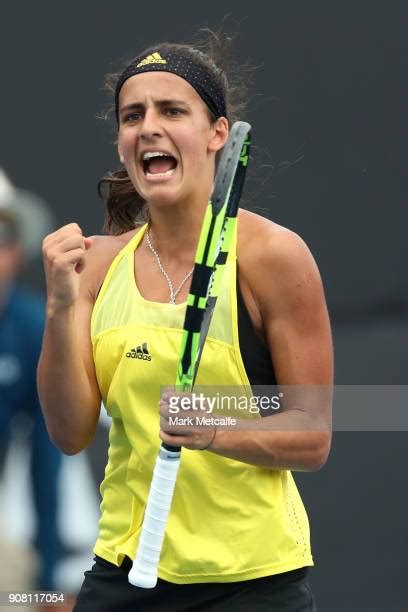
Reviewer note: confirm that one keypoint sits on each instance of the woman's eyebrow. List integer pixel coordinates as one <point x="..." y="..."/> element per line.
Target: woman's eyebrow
<point x="165" y="102"/>
<point x="133" y="106"/>
<point x="172" y="101"/>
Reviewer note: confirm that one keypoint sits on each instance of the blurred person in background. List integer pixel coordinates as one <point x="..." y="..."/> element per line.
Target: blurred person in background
<point x="23" y="221"/>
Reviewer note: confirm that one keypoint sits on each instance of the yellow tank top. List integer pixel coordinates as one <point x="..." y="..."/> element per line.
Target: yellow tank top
<point x="229" y="521"/>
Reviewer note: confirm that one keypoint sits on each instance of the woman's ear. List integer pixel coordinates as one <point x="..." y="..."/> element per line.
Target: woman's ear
<point x="219" y="134"/>
<point x="121" y="158"/>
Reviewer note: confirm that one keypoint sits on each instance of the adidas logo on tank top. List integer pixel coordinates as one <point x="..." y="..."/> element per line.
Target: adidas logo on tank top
<point x="140" y="352"/>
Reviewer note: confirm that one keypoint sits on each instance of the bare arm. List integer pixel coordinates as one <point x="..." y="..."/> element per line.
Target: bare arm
<point x="289" y="304"/>
<point x="67" y="383"/>
<point x="288" y="291"/>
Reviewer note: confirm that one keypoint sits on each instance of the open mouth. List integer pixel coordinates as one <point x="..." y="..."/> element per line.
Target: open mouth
<point x="158" y="164"/>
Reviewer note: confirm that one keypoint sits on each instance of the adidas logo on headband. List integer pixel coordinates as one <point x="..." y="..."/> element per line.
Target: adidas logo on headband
<point x="155" y="58"/>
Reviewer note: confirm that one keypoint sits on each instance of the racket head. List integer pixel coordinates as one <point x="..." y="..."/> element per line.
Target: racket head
<point x="231" y="170"/>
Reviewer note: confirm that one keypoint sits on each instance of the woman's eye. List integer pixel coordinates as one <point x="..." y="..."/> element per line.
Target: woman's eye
<point x="131" y="117"/>
<point x="174" y="112"/>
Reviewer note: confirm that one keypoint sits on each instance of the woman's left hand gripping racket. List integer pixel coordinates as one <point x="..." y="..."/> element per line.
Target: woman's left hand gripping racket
<point x="217" y="230"/>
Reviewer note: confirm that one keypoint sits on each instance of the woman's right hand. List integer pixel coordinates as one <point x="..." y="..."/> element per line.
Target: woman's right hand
<point x="64" y="261"/>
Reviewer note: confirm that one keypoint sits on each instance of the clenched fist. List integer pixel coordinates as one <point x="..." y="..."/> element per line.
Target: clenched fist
<point x="64" y="261"/>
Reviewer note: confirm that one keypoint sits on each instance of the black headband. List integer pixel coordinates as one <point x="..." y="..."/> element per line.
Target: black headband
<point x="184" y="67"/>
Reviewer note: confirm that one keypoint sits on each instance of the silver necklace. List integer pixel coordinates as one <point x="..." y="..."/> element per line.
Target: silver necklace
<point x="173" y="294"/>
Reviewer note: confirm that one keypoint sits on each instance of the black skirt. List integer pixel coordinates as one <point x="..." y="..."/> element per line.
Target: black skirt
<point x="106" y="589"/>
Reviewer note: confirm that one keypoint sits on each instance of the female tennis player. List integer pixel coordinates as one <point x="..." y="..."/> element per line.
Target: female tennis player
<point x="238" y="536"/>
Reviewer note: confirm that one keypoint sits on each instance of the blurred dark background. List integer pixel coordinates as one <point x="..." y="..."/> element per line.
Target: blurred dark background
<point x="328" y="106"/>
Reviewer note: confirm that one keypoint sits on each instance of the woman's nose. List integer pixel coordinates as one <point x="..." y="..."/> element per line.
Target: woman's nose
<point x="151" y="126"/>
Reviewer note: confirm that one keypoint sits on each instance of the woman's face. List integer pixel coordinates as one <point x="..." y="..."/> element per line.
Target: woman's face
<point x="166" y="140"/>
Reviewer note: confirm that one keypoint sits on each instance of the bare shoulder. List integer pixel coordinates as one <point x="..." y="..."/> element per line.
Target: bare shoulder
<point x="99" y="258"/>
<point x="272" y="258"/>
<point x="268" y="243"/>
<point x="262" y="238"/>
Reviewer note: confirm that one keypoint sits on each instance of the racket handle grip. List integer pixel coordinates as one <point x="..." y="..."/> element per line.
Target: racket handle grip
<point x="145" y="566"/>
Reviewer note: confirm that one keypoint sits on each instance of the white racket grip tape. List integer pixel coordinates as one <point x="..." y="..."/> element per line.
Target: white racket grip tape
<point x="144" y="570"/>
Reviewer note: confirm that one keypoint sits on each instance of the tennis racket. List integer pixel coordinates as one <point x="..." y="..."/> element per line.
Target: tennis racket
<point x="215" y="238"/>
